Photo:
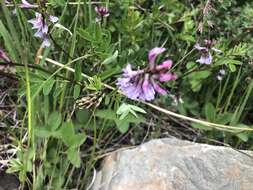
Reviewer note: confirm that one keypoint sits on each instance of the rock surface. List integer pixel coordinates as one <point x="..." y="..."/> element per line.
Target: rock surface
<point x="172" y="164"/>
<point x="8" y="181"/>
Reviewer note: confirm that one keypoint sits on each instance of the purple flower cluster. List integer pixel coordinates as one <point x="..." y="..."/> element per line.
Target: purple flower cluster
<point x="143" y="84"/>
<point x="206" y="56"/>
<point x="102" y="11"/>
<point x="40" y="24"/>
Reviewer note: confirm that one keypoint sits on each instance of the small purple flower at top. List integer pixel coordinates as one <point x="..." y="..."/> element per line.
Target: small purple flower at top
<point x="206" y="56"/>
<point x="102" y="11"/>
<point x="143" y="84"/>
<point x="26" y="5"/>
<point x="40" y="24"/>
<point x="4" y="56"/>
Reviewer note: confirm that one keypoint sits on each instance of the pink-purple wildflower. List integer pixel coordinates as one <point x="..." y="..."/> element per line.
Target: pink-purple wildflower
<point x="4" y="56"/>
<point x="206" y="56"/>
<point x="143" y="84"/>
<point x="102" y="11"/>
<point x="26" y="5"/>
<point x="40" y="24"/>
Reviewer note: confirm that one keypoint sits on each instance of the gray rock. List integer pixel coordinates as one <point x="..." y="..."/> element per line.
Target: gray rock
<point x="172" y="164"/>
<point x="8" y="181"/>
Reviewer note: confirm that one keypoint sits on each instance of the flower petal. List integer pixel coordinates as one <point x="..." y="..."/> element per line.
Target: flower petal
<point x="158" y="88"/>
<point x="27" y="5"/>
<point x="39" y="34"/>
<point x="53" y="19"/>
<point x="198" y="47"/>
<point x="164" y="77"/>
<point x="128" y="72"/>
<point x="154" y="53"/>
<point x="45" y="43"/>
<point x="205" y="59"/>
<point x="165" y="65"/>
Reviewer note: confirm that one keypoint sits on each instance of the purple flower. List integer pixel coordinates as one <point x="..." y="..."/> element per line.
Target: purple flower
<point x="143" y="84"/>
<point x="25" y="4"/>
<point x="39" y="23"/>
<point x="4" y="56"/>
<point x="53" y="19"/>
<point x="102" y="11"/>
<point x="153" y="54"/>
<point x="206" y="56"/>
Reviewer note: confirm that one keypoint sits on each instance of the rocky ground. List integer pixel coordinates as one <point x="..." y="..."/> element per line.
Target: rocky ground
<point x="172" y="164"/>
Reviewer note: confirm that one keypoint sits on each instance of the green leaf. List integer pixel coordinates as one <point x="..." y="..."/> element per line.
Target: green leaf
<point x="77" y="140"/>
<point x="232" y="68"/>
<point x="224" y="118"/>
<point x="199" y="126"/>
<point x="122" y="125"/>
<point x="54" y="120"/>
<point x="82" y="116"/>
<point x="14" y="166"/>
<point x="210" y="112"/>
<point x="85" y="35"/>
<point x="138" y="109"/>
<point x="77" y="91"/>
<point x="106" y="114"/>
<point x="74" y="157"/>
<point x="228" y="61"/>
<point x="48" y="86"/>
<point x="196" y="79"/>
<point x="199" y="75"/>
<point x="108" y="73"/>
<point x="190" y="65"/>
<point x="195" y="85"/>
<point x="78" y="72"/>
<point x="69" y="137"/>
<point x="111" y="58"/>
<point x="67" y="132"/>
<point x="187" y="38"/>
<point x="125" y="109"/>
<point x="8" y="42"/>
<point x="244" y="136"/>
<point x="95" y="83"/>
<point x="42" y="131"/>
